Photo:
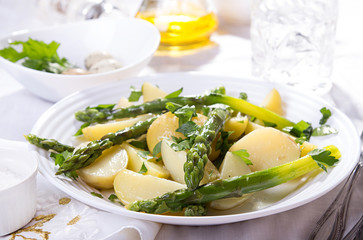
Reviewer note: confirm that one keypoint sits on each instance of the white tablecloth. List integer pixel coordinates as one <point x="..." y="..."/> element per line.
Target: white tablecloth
<point x="19" y="110"/>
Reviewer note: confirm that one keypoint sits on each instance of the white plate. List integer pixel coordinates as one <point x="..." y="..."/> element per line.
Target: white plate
<point x="59" y="123"/>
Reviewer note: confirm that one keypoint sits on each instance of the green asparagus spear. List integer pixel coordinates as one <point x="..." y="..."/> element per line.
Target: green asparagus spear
<point x="92" y="115"/>
<point x="84" y="156"/>
<point x="195" y="210"/>
<point x="197" y="157"/>
<point x="48" y="144"/>
<point x="239" y="185"/>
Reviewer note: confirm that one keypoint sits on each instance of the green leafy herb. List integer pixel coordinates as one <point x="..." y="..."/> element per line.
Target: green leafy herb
<point x="143" y="169"/>
<point x="180" y="144"/>
<point x="301" y="129"/>
<point x="79" y="131"/>
<point x="96" y="194"/>
<point x="322" y="156"/>
<point x="185" y="114"/>
<point x="157" y="149"/>
<point x="139" y="144"/>
<point x="174" y="94"/>
<point x="37" y="55"/>
<point x="244" y="155"/>
<point x="134" y="95"/>
<point x="205" y="110"/>
<point x="269" y="124"/>
<point x="59" y="158"/>
<point x="324" y="130"/>
<point x="188" y="129"/>
<point x="114" y="198"/>
<point x="145" y="155"/>
<point x="326" y="115"/>
<point x="172" y="107"/>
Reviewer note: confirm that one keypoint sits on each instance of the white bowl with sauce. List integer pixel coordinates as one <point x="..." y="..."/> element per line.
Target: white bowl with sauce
<point x="18" y="170"/>
<point x="130" y="41"/>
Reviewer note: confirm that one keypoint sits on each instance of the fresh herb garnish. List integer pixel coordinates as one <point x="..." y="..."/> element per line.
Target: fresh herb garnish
<point x="139" y="144"/>
<point x="301" y="130"/>
<point x="172" y="107"/>
<point x="188" y="129"/>
<point x="134" y="95"/>
<point x="322" y="156"/>
<point x="269" y="124"/>
<point x="96" y="194"/>
<point x="244" y="155"/>
<point x="326" y="115"/>
<point x="143" y="169"/>
<point x="37" y="55"/>
<point x="324" y="130"/>
<point x="145" y="155"/>
<point x="157" y="150"/>
<point x="114" y="198"/>
<point x="185" y="114"/>
<point x="59" y="158"/>
<point x="174" y="94"/>
<point x="180" y="144"/>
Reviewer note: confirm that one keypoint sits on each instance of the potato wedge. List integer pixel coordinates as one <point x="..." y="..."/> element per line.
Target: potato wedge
<point x="97" y="131"/>
<point x="136" y="161"/>
<point x="231" y="166"/>
<point x="273" y="102"/>
<point x="165" y="126"/>
<point x="174" y="162"/>
<point x="237" y="125"/>
<point x="123" y="103"/>
<point x="251" y="126"/>
<point x="130" y="186"/>
<point x="101" y="173"/>
<point x="306" y="147"/>
<point x="268" y="147"/>
<point x="151" y="92"/>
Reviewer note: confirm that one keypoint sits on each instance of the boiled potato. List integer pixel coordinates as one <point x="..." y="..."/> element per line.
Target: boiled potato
<point x="231" y="166"/>
<point x="273" y="102"/>
<point x="97" y="131"/>
<point x="130" y="186"/>
<point x="165" y="126"/>
<point x="268" y="147"/>
<point x="102" y="172"/>
<point x="306" y="147"/>
<point x="123" y="103"/>
<point x="251" y="126"/>
<point x="174" y="162"/>
<point x="151" y="92"/>
<point x="236" y="124"/>
<point x="136" y="161"/>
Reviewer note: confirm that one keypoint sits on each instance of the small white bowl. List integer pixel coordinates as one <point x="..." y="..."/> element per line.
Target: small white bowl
<point x="18" y="170"/>
<point x="130" y="41"/>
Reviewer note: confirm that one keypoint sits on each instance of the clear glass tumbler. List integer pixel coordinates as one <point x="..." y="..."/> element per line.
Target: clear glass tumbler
<point x="293" y="42"/>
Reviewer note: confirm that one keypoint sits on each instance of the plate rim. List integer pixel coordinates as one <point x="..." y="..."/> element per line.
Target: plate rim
<point x="182" y="220"/>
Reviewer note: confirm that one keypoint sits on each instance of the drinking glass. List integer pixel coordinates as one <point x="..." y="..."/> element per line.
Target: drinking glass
<point x="293" y="42"/>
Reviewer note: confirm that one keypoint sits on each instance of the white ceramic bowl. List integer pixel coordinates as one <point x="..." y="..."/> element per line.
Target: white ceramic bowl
<point x="18" y="170"/>
<point x="131" y="41"/>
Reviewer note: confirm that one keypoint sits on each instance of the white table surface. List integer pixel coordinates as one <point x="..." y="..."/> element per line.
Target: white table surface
<point x="19" y="110"/>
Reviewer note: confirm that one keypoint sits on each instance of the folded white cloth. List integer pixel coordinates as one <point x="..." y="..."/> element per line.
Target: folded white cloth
<point x="60" y="217"/>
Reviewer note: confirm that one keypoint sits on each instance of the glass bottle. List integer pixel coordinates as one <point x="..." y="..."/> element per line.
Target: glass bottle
<point x="183" y="24"/>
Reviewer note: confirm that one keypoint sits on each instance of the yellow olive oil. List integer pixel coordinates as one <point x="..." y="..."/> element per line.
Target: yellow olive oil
<point x="181" y="31"/>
